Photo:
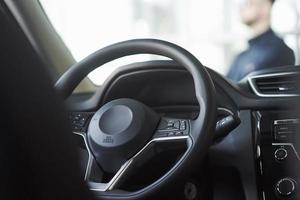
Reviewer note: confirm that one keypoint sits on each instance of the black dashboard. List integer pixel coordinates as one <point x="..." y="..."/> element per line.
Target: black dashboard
<point x="277" y="154"/>
<point x="258" y="160"/>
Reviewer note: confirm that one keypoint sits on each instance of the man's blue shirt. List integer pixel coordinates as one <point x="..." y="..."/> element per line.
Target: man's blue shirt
<point x="265" y="51"/>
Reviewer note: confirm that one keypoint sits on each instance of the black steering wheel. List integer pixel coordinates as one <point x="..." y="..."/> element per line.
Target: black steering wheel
<point x="123" y="133"/>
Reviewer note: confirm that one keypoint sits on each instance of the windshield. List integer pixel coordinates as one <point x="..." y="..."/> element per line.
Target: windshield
<point x="233" y="37"/>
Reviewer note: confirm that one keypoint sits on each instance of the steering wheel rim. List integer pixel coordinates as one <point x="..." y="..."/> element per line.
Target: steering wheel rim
<point x="201" y="128"/>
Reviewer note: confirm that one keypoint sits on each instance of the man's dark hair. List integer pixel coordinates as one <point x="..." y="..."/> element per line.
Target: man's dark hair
<point x="272" y="1"/>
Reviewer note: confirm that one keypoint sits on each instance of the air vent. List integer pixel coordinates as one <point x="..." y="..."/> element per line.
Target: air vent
<point x="276" y="85"/>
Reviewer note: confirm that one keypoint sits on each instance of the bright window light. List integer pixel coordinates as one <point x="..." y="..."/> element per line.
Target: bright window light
<point x="211" y="30"/>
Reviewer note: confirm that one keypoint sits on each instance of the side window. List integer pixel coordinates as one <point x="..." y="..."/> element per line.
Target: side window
<point x="211" y="30"/>
<point x="286" y="22"/>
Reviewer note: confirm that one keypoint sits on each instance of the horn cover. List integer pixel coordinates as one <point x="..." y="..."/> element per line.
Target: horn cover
<point x="118" y="130"/>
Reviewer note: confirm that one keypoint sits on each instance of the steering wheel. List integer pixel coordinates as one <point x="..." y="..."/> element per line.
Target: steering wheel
<point x="123" y="133"/>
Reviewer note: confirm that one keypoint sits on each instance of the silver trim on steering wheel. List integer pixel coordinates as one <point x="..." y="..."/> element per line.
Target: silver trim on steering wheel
<point x="102" y="187"/>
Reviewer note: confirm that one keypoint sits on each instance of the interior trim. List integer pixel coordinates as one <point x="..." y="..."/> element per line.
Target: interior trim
<point x="256" y="91"/>
<point x="102" y="187"/>
<point x="288" y="144"/>
<point x="280" y="121"/>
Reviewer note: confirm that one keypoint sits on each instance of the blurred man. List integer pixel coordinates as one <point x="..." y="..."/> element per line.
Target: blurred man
<point x="265" y="49"/>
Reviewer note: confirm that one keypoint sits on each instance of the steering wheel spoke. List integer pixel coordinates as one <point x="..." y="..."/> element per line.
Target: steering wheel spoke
<point x="162" y="141"/>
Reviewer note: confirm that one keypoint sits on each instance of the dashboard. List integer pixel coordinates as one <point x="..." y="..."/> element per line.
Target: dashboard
<point x="277" y="154"/>
<point x="257" y="160"/>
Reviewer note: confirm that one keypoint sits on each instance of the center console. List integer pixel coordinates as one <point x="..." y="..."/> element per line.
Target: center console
<point x="277" y="154"/>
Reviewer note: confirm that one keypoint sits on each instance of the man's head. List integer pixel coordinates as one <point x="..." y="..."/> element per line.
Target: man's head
<point x="255" y="11"/>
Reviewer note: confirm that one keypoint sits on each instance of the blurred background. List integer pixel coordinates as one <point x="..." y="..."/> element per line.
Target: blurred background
<point x="211" y="30"/>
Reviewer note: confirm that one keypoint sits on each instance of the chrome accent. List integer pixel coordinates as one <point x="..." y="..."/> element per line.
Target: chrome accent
<point x="102" y="187"/>
<point x="286" y="179"/>
<point x="288" y="144"/>
<point x="255" y="89"/>
<point x="293" y="121"/>
<point x="258" y="151"/>
<point x="281" y="149"/>
<point x="226" y="110"/>
<point x="261" y="168"/>
<point x="90" y="159"/>
<point x="258" y="125"/>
